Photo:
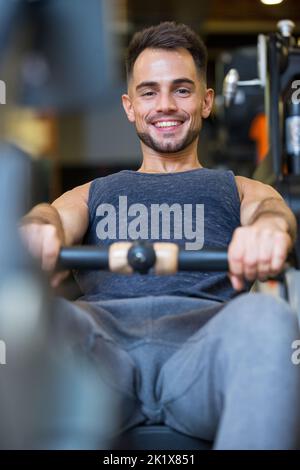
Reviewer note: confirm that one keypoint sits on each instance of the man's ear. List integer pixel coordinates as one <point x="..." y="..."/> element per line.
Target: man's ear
<point x="127" y="105"/>
<point x="207" y="103"/>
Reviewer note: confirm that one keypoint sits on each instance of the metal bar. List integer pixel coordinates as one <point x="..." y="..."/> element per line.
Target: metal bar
<point x="83" y="257"/>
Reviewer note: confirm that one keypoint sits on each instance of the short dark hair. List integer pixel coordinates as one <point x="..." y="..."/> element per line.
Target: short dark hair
<point x="167" y="35"/>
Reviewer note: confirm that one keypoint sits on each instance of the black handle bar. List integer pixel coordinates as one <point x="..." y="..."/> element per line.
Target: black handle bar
<point x="94" y="257"/>
<point x="208" y="260"/>
<point x="79" y="257"/>
<point x="141" y="256"/>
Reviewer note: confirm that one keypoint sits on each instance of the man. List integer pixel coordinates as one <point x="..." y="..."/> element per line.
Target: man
<point x="184" y="351"/>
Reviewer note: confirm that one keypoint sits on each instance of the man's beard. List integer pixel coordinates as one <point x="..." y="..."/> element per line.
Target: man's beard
<point x="169" y="147"/>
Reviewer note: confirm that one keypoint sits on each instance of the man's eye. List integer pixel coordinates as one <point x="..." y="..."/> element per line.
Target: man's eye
<point x="183" y="91"/>
<point x="148" y="93"/>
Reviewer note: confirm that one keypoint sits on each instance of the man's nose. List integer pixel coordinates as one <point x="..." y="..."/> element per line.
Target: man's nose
<point x="166" y="103"/>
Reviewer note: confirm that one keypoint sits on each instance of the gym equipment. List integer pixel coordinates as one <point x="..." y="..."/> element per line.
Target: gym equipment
<point x="167" y="258"/>
<point x="278" y="75"/>
<point x="140" y="256"/>
<point x="66" y="64"/>
<point x="48" y="398"/>
<point x="163" y="258"/>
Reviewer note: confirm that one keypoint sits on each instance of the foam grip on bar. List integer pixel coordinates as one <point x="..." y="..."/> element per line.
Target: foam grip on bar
<point x="166" y="258"/>
<point x="117" y="258"/>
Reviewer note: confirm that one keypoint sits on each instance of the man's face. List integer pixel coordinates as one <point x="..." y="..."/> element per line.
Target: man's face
<point x="167" y="99"/>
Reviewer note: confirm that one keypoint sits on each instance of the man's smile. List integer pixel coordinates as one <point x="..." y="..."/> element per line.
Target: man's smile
<point x="167" y="125"/>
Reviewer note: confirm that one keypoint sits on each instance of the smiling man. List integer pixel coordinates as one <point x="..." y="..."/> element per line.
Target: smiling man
<point x="191" y="349"/>
<point x="168" y="107"/>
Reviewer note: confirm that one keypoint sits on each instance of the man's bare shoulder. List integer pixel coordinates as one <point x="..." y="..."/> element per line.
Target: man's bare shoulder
<point x="72" y="207"/>
<point x="77" y="195"/>
<point x="252" y="189"/>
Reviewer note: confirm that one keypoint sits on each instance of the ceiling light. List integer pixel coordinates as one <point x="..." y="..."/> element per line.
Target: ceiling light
<point x="271" y="2"/>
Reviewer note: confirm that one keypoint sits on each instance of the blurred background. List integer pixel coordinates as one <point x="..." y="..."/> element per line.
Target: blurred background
<point x="62" y="62"/>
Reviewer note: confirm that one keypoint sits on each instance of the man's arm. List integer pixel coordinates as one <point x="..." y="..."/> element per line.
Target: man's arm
<point x="268" y="231"/>
<point x="72" y="208"/>
<point x="47" y="227"/>
<point x="261" y="200"/>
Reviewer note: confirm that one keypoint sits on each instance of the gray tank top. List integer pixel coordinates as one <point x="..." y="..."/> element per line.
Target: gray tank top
<point x="196" y="208"/>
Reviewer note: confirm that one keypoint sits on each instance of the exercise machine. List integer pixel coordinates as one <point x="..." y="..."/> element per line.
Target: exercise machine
<point x="279" y="76"/>
<point x="49" y="399"/>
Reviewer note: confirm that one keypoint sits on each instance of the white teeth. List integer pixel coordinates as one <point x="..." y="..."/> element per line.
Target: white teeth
<point x="166" y="124"/>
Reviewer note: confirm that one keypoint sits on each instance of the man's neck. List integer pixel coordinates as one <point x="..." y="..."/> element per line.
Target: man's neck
<point x="167" y="163"/>
<point x="180" y="168"/>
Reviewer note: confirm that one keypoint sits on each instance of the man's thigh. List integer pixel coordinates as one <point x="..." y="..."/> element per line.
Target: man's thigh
<point x="191" y="384"/>
<point x="77" y="327"/>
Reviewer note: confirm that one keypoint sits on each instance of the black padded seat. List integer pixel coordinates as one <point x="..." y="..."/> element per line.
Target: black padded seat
<point x="160" y="437"/>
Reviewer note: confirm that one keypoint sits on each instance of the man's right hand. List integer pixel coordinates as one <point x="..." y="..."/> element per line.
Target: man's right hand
<point x="44" y="243"/>
<point x="48" y="227"/>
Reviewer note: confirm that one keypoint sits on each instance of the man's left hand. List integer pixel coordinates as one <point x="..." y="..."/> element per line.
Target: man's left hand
<point x="258" y="251"/>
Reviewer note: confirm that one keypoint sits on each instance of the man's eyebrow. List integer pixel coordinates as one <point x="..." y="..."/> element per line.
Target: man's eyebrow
<point x="177" y="81"/>
<point x="146" y="84"/>
<point x="183" y="80"/>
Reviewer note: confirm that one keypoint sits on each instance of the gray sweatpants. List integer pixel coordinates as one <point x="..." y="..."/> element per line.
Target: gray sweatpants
<point x="219" y="372"/>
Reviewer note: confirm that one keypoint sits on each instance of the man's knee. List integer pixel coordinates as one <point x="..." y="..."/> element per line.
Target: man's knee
<point x="260" y="315"/>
